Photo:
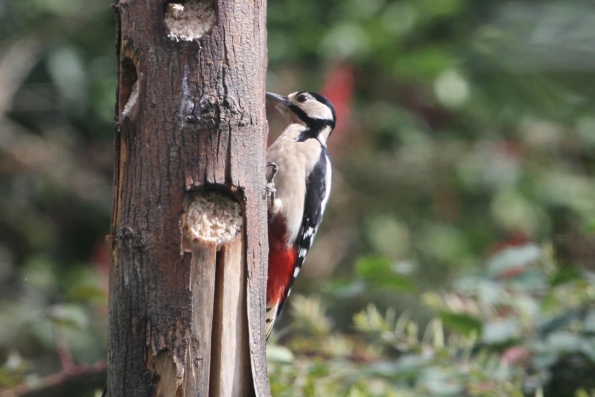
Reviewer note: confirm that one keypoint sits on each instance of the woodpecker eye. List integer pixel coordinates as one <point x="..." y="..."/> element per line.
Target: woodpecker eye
<point x="302" y="98"/>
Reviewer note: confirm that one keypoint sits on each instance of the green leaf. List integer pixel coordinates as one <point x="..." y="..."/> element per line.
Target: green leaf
<point x="462" y="323"/>
<point x="565" y="275"/>
<point x="87" y="293"/>
<point x="589" y="322"/>
<point x="564" y="342"/>
<point x="345" y="288"/>
<point x="584" y="393"/>
<point x="379" y="272"/>
<point x="590" y="226"/>
<point x="279" y="354"/>
<point x="68" y="316"/>
<point x="501" y="330"/>
<point x="425" y="62"/>
<point x="513" y="261"/>
<point x="587" y="347"/>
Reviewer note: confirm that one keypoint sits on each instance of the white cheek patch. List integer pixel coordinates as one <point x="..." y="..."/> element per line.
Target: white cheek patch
<point x="317" y="110"/>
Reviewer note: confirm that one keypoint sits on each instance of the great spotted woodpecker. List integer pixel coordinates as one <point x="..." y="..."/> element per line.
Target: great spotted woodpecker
<point x="300" y="185"/>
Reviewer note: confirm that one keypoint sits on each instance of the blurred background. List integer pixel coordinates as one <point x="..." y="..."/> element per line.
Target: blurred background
<point x="455" y="255"/>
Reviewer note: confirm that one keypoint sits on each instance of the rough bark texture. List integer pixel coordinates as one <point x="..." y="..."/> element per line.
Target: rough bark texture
<point x="186" y="319"/>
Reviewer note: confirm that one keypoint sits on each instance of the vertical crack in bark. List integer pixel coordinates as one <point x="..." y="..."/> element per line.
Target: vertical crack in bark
<point x="225" y="117"/>
<point x="128" y="79"/>
<point x="228" y="173"/>
<point x="214" y="384"/>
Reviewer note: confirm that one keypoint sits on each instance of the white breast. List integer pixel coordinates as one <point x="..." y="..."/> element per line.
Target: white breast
<point x="294" y="160"/>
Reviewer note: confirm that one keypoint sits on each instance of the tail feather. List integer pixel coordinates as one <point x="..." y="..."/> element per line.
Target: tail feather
<point x="271" y="316"/>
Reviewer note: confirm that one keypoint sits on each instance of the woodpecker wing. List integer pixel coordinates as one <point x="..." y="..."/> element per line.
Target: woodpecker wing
<point x="318" y="189"/>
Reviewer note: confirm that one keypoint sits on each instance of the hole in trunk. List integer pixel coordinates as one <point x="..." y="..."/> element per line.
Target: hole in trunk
<point x="128" y="86"/>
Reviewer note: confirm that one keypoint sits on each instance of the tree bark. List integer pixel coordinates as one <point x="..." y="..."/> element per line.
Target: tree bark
<point x="189" y="246"/>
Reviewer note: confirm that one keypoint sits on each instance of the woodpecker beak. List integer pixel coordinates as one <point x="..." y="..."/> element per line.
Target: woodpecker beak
<point x="278" y="100"/>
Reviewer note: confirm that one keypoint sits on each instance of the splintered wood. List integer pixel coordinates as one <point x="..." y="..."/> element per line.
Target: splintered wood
<point x="219" y="355"/>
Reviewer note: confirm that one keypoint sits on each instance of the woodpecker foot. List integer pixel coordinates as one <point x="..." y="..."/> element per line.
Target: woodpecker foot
<point x="271" y="172"/>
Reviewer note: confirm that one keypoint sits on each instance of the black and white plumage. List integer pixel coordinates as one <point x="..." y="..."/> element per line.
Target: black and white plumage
<point x="302" y="185"/>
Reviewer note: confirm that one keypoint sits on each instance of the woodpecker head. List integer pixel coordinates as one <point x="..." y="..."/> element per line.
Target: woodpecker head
<point x="310" y="109"/>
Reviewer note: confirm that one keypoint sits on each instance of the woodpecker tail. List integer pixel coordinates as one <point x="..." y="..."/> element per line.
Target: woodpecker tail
<point x="271" y="316"/>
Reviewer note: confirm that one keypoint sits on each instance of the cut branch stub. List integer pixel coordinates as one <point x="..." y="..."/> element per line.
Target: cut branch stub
<point x="214" y="217"/>
<point x="189" y="20"/>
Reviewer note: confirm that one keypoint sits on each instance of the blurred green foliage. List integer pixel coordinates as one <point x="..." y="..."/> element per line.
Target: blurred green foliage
<point x="466" y="127"/>
<point x="531" y="333"/>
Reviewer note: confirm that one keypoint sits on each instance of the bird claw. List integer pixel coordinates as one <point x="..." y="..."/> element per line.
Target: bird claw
<point x="270" y="188"/>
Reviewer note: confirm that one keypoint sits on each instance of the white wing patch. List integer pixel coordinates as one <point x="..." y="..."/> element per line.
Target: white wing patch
<point x="303" y="252"/>
<point x="329" y="177"/>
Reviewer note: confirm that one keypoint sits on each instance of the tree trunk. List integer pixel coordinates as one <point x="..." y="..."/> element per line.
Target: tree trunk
<point x="189" y="246"/>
